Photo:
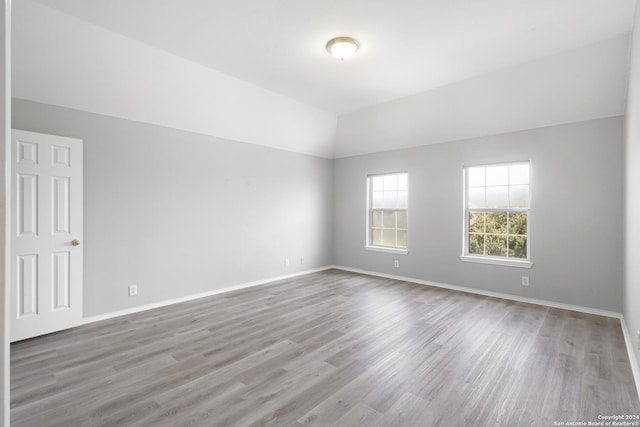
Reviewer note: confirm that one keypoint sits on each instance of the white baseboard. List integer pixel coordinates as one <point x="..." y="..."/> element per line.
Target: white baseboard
<point x="165" y="303"/>
<point x="535" y="301"/>
<point x="632" y="355"/>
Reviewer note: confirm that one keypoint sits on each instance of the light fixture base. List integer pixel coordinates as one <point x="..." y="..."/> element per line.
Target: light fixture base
<point x="342" y="47"/>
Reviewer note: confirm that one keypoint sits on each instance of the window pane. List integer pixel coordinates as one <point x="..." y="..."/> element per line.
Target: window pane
<point x="519" y="196"/>
<point x="376" y="237"/>
<point x="390" y="182"/>
<point x="402" y="239"/>
<point x="389" y="220"/>
<point x="498" y="197"/>
<point x="476" y="177"/>
<point x="388" y="237"/>
<point x="378" y="201"/>
<point x="376" y="219"/>
<point x="518" y="223"/>
<point x="519" y="174"/>
<point x="402" y="200"/>
<point x="498" y="175"/>
<point x="390" y="200"/>
<point x="517" y="246"/>
<point x="476" y="244"/>
<point x="496" y="245"/>
<point x="402" y="219"/>
<point x="503" y="189"/>
<point x="403" y="181"/>
<point x="377" y="183"/>
<point x="388" y="209"/>
<point x="476" y="198"/>
<point x="497" y="223"/>
<point x="476" y="222"/>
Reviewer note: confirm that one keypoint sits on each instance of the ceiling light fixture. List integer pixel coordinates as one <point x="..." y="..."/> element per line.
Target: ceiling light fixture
<point x="342" y="47"/>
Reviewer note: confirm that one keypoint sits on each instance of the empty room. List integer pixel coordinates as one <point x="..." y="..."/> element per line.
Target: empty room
<point x="320" y="213"/>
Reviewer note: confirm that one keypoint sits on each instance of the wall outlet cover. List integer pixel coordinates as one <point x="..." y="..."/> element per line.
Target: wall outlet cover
<point x="133" y="290"/>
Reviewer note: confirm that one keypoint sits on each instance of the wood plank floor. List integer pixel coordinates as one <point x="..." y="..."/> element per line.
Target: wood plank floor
<point x="331" y="348"/>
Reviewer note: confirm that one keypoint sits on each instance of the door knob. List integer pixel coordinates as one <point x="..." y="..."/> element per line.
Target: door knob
<point x="75" y="242"/>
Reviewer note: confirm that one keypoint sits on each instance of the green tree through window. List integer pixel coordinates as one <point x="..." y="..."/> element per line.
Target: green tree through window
<point x="496" y="210"/>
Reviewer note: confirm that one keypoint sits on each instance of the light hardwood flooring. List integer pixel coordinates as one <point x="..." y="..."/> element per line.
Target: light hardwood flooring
<point x="330" y="348"/>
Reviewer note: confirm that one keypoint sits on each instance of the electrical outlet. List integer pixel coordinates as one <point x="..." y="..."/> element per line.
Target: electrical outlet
<point x="301" y="261"/>
<point x="525" y="280"/>
<point x="396" y="263"/>
<point x="286" y="262"/>
<point x="133" y="290"/>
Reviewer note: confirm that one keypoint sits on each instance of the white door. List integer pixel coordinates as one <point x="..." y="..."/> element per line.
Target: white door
<point x="46" y="227"/>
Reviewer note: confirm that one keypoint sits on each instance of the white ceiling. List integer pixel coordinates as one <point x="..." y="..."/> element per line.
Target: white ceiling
<point x="407" y="46"/>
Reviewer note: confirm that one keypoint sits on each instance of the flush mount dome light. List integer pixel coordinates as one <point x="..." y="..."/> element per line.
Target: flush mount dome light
<point x="342" y="47"/>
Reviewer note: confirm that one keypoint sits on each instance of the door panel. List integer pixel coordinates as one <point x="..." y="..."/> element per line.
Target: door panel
<point x="61" y="280"/>
<point x="61" y="206"/>
<point x="46" y="275"/>
<point x="27" y="285"/>
<point x="27" y="204"/>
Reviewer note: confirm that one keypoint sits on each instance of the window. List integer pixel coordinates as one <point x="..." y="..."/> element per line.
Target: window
<point x="496" y="217"/>
<point x="387" y="221"/>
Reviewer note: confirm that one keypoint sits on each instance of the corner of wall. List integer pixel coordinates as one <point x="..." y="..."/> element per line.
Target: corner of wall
<point x="631" y="295"/>
<point x="5" y="129"/>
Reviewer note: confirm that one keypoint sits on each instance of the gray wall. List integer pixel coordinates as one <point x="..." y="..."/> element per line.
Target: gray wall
<point x="576" y="214"/>
<point x="632" y="265"/>
<point x="180" y="213"/>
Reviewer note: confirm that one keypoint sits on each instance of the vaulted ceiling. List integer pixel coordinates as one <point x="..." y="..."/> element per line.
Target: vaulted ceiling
<point x="408" y="47"/>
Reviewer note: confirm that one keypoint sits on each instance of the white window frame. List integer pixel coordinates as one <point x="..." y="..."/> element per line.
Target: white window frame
<point x="489" y="259"/>
<point x="368" y="245"/>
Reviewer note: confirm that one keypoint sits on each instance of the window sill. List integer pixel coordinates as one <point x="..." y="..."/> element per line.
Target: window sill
<point x="497" y="261"/>
<point x="387" y="250"/>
